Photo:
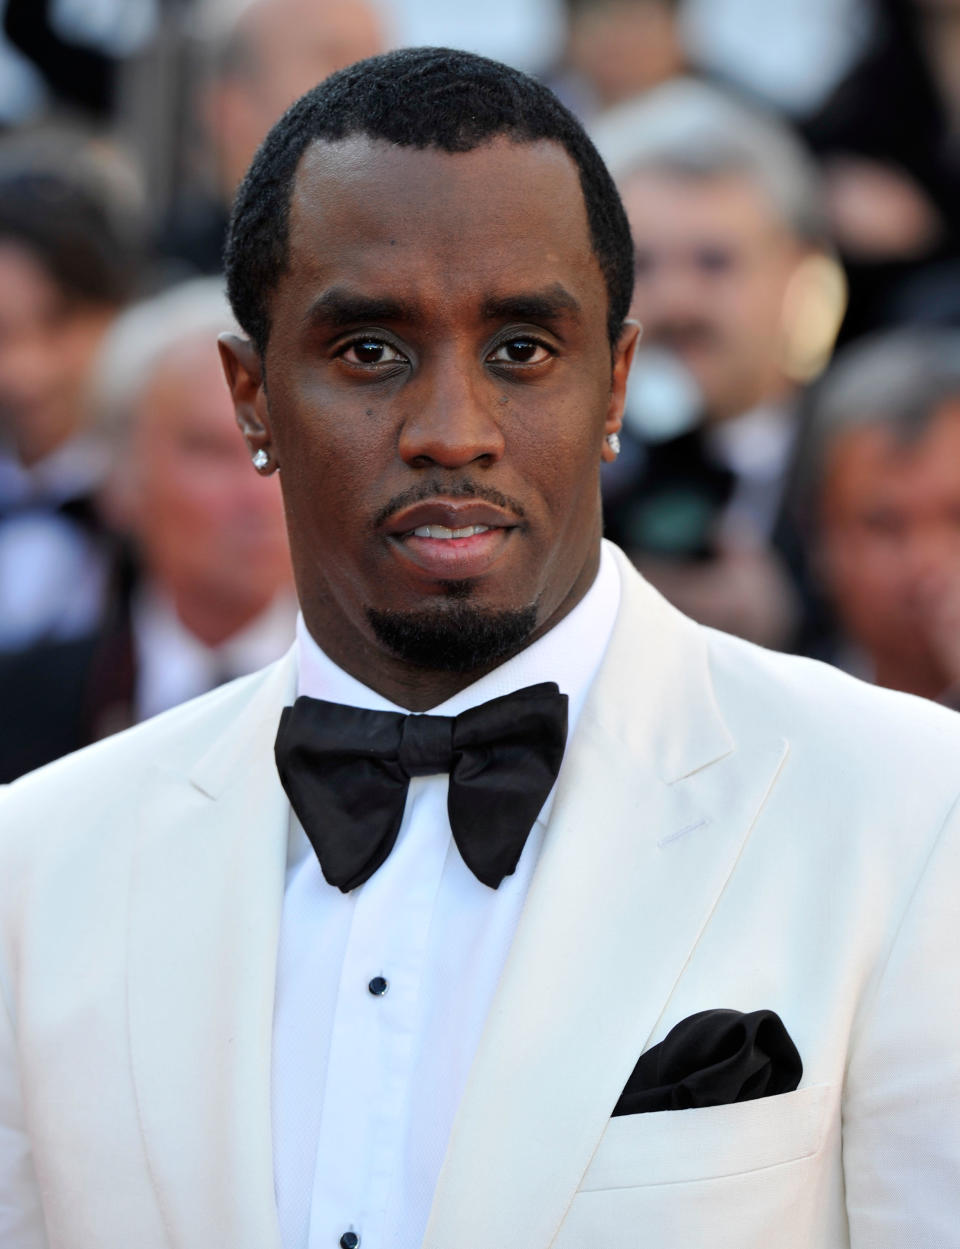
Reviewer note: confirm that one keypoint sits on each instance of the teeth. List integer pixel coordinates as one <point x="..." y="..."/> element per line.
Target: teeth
<point x="441" y="531"/>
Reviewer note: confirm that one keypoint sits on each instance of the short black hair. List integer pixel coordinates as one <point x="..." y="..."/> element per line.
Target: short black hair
<point x="71" y="230"/>
<point x="422" y="98"/>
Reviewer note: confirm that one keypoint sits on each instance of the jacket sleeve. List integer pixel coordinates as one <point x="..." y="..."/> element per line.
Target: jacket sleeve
<point x="901" y="1126"/>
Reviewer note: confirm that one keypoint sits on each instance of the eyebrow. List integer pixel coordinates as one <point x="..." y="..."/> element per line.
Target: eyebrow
<point x="550" y="304"/>
<point x="338" y="307"/>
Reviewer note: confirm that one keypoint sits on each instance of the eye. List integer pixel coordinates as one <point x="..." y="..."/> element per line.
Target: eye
<point x="520" y="350"/>
<point x="714" y="260"/>
<point x="371" y="351"/>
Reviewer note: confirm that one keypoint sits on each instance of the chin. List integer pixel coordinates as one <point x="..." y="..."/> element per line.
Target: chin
<point x="458" y="636"/>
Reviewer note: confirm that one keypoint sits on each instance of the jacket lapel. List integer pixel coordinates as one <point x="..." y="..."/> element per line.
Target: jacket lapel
<point x="205" y="908"/>
<point x="653" y="807"/>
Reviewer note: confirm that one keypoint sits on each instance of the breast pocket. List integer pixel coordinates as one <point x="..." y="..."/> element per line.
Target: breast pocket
<point x="671" y="1146"/>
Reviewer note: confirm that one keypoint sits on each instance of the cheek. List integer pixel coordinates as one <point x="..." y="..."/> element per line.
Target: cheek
<point x="868" y="577"/>
<point x="754" y="307"/>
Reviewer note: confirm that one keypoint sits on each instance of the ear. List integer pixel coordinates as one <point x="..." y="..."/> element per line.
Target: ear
<point x="623" y="354"/>
<point x="244" y="373"/>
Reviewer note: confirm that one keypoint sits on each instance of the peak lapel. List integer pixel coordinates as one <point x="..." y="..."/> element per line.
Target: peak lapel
<point x="204" y="918"/>
<point x="653" y="807"/>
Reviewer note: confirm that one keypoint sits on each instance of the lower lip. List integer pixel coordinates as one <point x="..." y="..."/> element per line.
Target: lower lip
<point x="454" y="558"/>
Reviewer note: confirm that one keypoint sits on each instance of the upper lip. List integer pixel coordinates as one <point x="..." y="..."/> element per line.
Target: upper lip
<point x="453" y="514"/>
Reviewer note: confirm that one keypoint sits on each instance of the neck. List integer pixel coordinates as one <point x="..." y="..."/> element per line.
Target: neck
<point x="360" y="654"/>
<point x="35" y="440"/>
<point x="405" y="684"/>
<point x="918" y="674"/>
<point x="771" y="392"/>
<point x="212" y="620"/>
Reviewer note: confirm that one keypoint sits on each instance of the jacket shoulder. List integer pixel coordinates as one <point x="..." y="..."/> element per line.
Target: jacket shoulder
<point x="841" y="723"/>
<point x="96" y="787"/>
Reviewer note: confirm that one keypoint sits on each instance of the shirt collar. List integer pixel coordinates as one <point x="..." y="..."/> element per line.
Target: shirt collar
<point x="569" y="654"/>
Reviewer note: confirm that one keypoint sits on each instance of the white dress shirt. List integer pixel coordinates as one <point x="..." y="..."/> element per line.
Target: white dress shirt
<point x="757" y="447"/>
<point x="366" y="1084"/>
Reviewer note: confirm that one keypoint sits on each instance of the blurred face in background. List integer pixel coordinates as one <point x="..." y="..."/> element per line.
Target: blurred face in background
<point x="625" y="47"/>
<point x="282" y="48"/>
<point x="713" y="264"/>
<point x="890" y="534"/>
<point x="47" y="345"/>
<point x="210" y="530"/>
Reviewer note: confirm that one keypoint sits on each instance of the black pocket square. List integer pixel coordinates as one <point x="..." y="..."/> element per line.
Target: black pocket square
<point x="714" y="1058"/>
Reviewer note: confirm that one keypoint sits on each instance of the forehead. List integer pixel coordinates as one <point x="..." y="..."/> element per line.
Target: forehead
<point x="25" y="286"/>
<point x="872" y="458"/>
<point x="662" y="203"/>
<point x="432" y="225"/>
<point x="185" y="384"/>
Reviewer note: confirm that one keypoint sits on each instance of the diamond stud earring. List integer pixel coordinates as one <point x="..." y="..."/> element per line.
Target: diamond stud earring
<point x="260" y="460"/>
<point x="613" y="442"/>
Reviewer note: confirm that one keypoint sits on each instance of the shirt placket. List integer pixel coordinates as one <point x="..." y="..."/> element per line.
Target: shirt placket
<point x="375" y="1025"/>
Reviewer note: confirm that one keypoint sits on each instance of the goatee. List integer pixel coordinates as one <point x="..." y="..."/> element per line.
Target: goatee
<point x="457" y="638"/>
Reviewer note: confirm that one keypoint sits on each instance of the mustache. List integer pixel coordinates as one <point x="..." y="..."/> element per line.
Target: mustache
<point x="435" y="487"/>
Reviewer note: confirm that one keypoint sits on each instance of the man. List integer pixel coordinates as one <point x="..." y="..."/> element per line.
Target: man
<point x="618" y="49"/>
<point x="272" y="52"/>
<point x="881" y="476"/>
<point x="208" y="595"/>
<point x="732" y="290"/>
<point x="67" y="267"/>
<point x="207" y="1042"/>
<point x="257" y="57"/>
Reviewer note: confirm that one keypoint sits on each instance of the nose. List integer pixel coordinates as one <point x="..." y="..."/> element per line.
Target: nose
<point x="453" y="419"/>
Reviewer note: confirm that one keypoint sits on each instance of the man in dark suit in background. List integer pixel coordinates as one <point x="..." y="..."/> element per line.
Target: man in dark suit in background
<point x="733" y="289"/>
<point x="200" y="586"/>
<point x="68" y="265"/>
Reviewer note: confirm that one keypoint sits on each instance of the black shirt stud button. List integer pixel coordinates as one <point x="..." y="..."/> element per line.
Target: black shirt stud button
<point x="378" y="987"/>
<point x="349" y="1240"/>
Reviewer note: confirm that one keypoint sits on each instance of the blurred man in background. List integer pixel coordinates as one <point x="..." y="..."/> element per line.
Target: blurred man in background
<point x="259" y="56"/>
<point x="887" y="137"/>
<point x="274" y="52"/>
<point x="68" y="263"/>
<point x="881" y="482"/>
<point x="211" y="597"/>
<point x="617" y="50"/>
<point x="732" y="292"/>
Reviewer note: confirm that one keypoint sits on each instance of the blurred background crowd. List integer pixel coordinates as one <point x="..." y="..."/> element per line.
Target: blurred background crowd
<point x="790" y="465"/>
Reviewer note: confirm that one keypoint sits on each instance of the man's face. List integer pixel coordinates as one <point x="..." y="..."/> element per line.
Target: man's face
<point x="46" y="349"/>
<point x="211" y="531"/>
<point x="625" y="47"/>
<point x="438" y="362"/>
<point x="713" y="263"/>
<point x="890" y="532"/>
<point x="291" y="46"/>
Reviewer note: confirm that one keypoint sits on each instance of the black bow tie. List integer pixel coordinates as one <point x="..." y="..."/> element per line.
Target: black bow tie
<point x="346" y="772"/>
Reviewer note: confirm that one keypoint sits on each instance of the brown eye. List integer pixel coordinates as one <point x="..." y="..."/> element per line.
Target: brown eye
<point x="521" y="351"/>
<point x="371" y="351"/>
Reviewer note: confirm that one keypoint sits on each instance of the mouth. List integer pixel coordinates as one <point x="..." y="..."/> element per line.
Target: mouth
<point x="451" y="539"/>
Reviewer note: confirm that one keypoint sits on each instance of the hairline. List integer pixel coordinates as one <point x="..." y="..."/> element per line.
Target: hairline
<point x="360" y="132"/>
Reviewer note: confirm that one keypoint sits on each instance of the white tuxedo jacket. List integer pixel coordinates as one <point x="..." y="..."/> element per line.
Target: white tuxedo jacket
<point x="732" y="828"/>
